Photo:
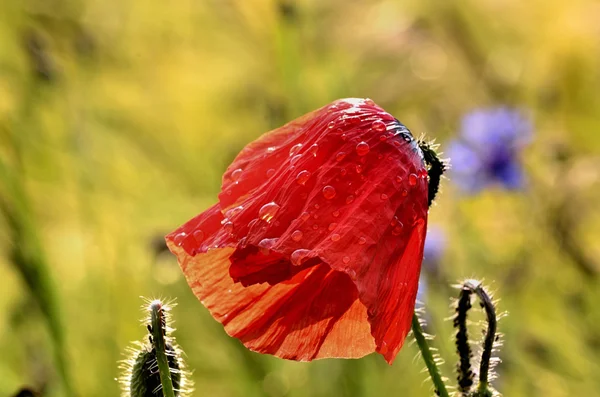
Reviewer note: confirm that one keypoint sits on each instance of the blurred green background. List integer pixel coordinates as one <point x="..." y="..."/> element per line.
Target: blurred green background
<point x="117" y="119"/>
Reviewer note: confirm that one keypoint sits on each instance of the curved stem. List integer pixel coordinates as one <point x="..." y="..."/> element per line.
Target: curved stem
<point x="434" y="372"/>
<point x="158" y="337"/>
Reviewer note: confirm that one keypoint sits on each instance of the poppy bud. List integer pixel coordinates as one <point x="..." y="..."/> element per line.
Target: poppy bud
<point x="314" y="249"/>
<point x="155" y="368"/>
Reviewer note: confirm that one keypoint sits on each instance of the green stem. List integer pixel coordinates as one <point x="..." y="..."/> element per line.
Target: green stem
<point x="434" y="372"/>
<point x="158" y="337"/>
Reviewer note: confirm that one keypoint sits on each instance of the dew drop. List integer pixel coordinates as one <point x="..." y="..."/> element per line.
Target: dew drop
<point x="412" y="179"/>
<point x="394" y="221"/>
<point x="243" y="242"/>
<point x="329" y="192"/>
<point x="332" y="226"/>
<point x="178" y="239"/>
<point x="362" y="148"/>
<point x="270" y="172"/>
<point x="369" y="102"/>
<point x="331" y="125"/>
<point x="378" y="126"/>
<point x="313" y="149"/>
<point x="343" y="172"/>
<point x="315" y="216"/>
<point x="228" y="227"/>
<point x="266" y="244"/>
<point x="346" y="259"/>
<point x="382" y="138"/>
<point x="398" y="179"/>
<point x="317" y="206"/>
<point x="405" y="193"/>
<point x="198" y="235"/>
<point x="304" y="216"/>
<point x="297" y="235"/>
<point x="268" y="211"/>
<point x="271" y="149"/>
<point x="302" y="177"/>
<point x="359" y="168"/>
<point x="315" y="227"/>
<point x="298" y="255"/>
<point x="344" y="137"/>
<point x="340" y="156"/>
<point x="349" y="199"/>
<point x="295" y="149"/>
<point x="233" y="211"/>
<point x="397" y="230"/>
<point x="295" y="159"/>
<point x="235" y="175"/>
<point x="335" y="213"/>
<point x="335" y="237"/>
<point x="384" y="196"/>
<point x="252" y="223"/>
<point x="362" y="241"/>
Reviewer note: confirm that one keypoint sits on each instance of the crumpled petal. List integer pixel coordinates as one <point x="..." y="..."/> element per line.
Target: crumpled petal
<point x="315" y="247"/>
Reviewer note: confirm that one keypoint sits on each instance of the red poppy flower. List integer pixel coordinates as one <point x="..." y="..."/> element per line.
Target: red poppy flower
<point x="315" y="246"/>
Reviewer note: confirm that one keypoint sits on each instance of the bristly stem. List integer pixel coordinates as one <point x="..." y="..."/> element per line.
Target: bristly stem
<point x="158" y="337"/>
<point x="463" y="348"/>
<point x="474" y="286"/>
<point x="434" y="372"/>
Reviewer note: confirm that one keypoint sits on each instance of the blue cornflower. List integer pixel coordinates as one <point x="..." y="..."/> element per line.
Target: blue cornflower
<point x="487" y="150"/>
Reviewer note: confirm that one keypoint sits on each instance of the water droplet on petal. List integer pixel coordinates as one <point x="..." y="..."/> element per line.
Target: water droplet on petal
<point x="178" y="238"/>
<point x="233" y="211"/>
<point x="378" y="126"/>
<point x="297" y="235"/>
<point x="198" y="235"/>
<point x="384" y="196"/>
<point x="295" y="149"/>
<point x="412" y="179"/>
<point x="295" y="159"/>
<point x="298" y="255"/>
<point x="362" y="241"/>
<point x="329" y="192"/>
<point x="398" y="179"/>
<point x="271" y="149"/>
<point x="315" y="227"/>
<point x="362" y="148"/>
<point x="228" y="227"/>
<point x="369" y="102"/>
<point x="302" y="177"/>
<point x="382" y="138"/>
<point x="397" y="230"/>
<point x="335" y="213"/>
<point x="335" y="237"/>
<point x="344" y="137"/>
<point x="304" y="216"/>
<point x="268" y="211"/>
<point x="313" y="149"/>
<point x="317" y="206"/>
<point x="270" y="172"/>
<point x="332" y="226"/>
<point x="405" y="193"/>
<point x="331" y="125"/>
<point x="266" y="244"/>
<point x="346" y="259"/>
<point x="349" y="199"/>
<point x="235" y="175"/>
<point x="343" y="172"/>
<point x="359" y="168"/>
<point x="340" y="156"/>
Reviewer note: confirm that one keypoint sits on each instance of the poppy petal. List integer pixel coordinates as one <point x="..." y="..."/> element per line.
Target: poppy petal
<point x="315" y="247"/>
<point x="302" y="319"/>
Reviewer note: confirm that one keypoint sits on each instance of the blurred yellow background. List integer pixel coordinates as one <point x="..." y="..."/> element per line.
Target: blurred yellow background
<point x="118" y="118"/>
